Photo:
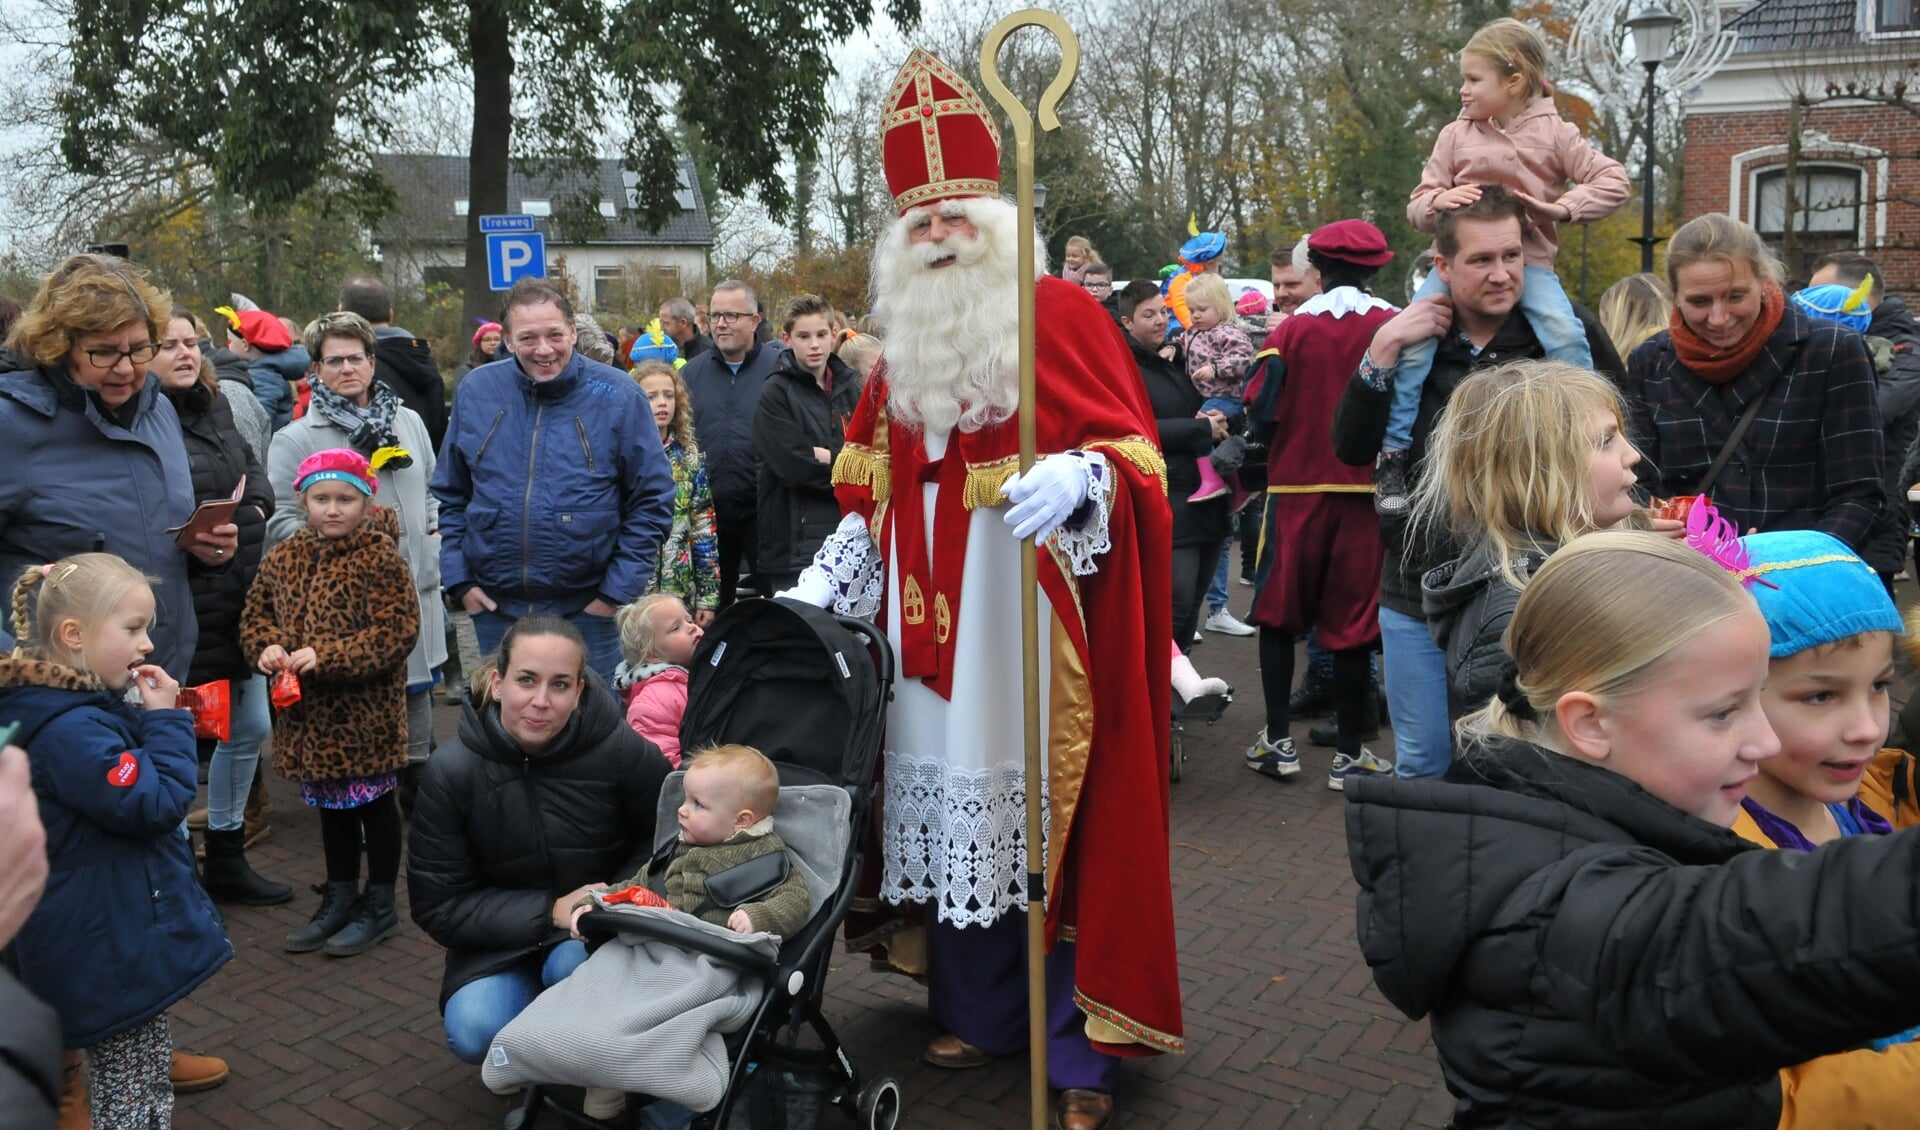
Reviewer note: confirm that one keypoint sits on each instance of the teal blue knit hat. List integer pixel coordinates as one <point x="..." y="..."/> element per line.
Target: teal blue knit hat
<point x="1822" y="592"/>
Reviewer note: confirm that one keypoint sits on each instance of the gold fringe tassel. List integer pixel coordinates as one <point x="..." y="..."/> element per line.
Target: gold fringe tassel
<point x="859" y="466"/>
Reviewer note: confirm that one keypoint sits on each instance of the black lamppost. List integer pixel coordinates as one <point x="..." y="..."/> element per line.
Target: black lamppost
<point x="1652" y="32"/>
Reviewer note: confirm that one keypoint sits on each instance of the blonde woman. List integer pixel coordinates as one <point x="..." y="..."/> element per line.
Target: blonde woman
<point x="1525" y="458"/>
<point x="689" y="560"/>
<point x="1809" y="457"/>
<point x="1634" y="309"/>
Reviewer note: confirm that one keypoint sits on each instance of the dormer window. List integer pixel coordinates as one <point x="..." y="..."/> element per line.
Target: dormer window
<point x="1894" y="16"/>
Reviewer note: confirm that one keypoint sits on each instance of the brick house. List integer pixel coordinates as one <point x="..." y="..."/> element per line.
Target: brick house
<point x="1858" y="171"/>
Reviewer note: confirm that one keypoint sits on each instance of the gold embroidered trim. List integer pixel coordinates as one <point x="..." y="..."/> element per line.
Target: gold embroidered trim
<point x="942" y="190"/>
<point x="1776" y="566"/>
<point x="1104" y="1023"/>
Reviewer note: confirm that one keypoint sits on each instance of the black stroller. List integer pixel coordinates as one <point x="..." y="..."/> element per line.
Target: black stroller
<point x="809" y="690"/>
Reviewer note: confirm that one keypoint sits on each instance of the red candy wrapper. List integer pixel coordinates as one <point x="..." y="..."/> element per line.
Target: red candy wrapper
<point x="286" y="690"/>
<point x="1677" y="507"/>
<point x="212" y="709"/>
<point x="638" y="896"/>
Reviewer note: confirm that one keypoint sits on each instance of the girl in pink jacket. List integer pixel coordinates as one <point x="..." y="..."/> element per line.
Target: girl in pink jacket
<point x="1508" y="134"/>
<point x="657" y="641"/>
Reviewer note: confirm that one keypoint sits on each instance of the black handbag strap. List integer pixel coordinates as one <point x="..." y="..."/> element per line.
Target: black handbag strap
<point x="1739" y="433"/>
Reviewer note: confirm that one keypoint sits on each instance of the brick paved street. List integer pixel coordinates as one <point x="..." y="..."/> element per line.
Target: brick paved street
<point x="1284" y="1027"/>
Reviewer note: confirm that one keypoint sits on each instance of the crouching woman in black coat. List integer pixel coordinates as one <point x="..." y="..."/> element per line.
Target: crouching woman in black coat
<point x="1596" y="948"/>
<point x="545" y="795"/>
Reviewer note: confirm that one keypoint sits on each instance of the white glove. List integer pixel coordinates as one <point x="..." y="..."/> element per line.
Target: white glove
<point x="813" y="588"/>
<point x="1046" y="496"/>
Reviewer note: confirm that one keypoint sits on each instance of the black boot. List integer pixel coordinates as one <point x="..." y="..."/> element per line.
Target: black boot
<point x="228" y="878"/>
<point x="375" y="922"/>
<point x="338" y="903"/>
<point x="1313" y="698"/>
<point x="1327" y="733"/>
<point x="1390" y="485"/>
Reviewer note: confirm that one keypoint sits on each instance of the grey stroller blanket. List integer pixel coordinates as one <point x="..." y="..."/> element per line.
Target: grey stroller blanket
<point x="641" y="1015"/>
<point x="645" y="1016"/>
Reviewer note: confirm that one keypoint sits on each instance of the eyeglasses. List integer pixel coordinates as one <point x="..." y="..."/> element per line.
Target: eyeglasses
<point x="728" y="317"/>
<point x="1099" y="284"/>
<point x="344" y="361"/>
<point x="108" y="358"/>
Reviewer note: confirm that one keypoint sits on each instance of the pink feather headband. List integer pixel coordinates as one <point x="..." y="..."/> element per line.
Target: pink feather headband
<point x="1719" y="540"/>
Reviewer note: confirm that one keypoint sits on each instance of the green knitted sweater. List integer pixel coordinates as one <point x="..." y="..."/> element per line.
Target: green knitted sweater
<point x="782" y="912"/>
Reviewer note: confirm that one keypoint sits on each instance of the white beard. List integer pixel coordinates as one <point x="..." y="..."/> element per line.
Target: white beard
<point x="952" y="334"/>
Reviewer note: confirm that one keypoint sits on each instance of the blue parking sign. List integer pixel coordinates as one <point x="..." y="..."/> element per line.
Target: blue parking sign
<point x="515" y="256"/>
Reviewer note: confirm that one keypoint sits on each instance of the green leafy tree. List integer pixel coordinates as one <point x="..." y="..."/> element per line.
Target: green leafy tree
<point x="276" y="95"/>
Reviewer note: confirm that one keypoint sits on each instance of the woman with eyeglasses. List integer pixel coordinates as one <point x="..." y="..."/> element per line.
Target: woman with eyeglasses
<point x="349" y="408"/>
<point x="95" y="459"/>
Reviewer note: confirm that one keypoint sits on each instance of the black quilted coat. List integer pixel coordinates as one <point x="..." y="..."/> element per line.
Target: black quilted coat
<point x="218" y="457"/>
<point x="1591" y="956"/>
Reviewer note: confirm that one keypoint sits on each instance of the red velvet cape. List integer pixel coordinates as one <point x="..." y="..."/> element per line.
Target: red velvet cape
<point x="1109" y="882"/>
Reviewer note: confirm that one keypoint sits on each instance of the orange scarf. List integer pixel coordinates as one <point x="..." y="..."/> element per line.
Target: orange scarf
<point x="1721" y="366"/>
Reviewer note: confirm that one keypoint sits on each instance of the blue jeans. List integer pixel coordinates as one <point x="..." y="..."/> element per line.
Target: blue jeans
<point x="1217" y="588"/>
<point x="1416" y="696"/>
<point x="478" y="1009"/>
<point x="1320" y="661"/>
<point x="603" y="638"/>
<point x="230" y="774"/>
<point x="1549" y="311"/>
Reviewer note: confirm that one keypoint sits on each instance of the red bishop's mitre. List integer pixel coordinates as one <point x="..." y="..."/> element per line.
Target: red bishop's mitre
<point x="937" y="140"/>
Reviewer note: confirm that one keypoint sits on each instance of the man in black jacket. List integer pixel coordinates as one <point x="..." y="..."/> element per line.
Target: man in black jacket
<point x="725" y="384"/>
<point x="1899" y="398"/>
<point x="1478" y="252"/>
<point x="403" y="362"/>
<point x="677" y="322"/>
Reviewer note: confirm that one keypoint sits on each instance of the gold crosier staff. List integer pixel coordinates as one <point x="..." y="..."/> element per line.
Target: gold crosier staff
<point x="1022" y="123"/>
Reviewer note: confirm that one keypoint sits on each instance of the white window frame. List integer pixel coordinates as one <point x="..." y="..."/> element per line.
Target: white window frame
<point x="1873" y="165"/>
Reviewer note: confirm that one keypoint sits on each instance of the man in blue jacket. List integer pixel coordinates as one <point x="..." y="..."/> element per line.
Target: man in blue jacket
<point x="554" y="491"/>
<point x="725" y="384"/>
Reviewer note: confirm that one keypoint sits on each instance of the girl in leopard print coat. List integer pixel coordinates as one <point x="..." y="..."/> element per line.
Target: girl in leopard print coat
<point x="334" y="605"/>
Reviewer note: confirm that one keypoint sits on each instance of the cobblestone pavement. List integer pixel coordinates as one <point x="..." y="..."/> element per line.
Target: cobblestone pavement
<point x="1284" y="1027"/>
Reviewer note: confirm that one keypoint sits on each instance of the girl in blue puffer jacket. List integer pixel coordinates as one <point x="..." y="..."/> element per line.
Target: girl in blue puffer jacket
<point x="124" y="929"/>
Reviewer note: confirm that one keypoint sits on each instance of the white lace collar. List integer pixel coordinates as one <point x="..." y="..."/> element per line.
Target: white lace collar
<point x="1344" y="300"/>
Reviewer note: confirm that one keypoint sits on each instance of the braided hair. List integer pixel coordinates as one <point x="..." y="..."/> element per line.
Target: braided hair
<point x="86" y="588"/>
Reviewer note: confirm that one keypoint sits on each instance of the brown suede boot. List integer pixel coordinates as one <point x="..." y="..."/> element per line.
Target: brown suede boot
<point x="75" y="1112"/>
<point x="190" y="1073"/>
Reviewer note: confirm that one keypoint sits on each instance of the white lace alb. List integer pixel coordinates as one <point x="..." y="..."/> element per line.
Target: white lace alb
<point x="956" y="837"/>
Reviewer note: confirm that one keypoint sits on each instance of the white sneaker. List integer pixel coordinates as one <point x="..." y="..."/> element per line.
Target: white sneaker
<point x="604" y="1104"/>
<point x="1197" y="637"/>
<point x="1223" y="622"/>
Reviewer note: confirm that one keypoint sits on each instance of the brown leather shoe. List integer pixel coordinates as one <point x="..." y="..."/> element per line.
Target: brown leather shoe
<point x="955" y="1054"/>
<point x="75" y="1112"/>
<point x="190" y="1073"/>
<point x="1083" y="1110"/>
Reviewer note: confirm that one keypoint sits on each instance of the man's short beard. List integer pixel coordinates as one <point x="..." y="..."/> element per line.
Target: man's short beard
<point x="952" y="334"/>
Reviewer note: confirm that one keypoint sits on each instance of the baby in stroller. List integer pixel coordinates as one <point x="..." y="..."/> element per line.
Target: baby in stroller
<point x="726" y="823"/>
